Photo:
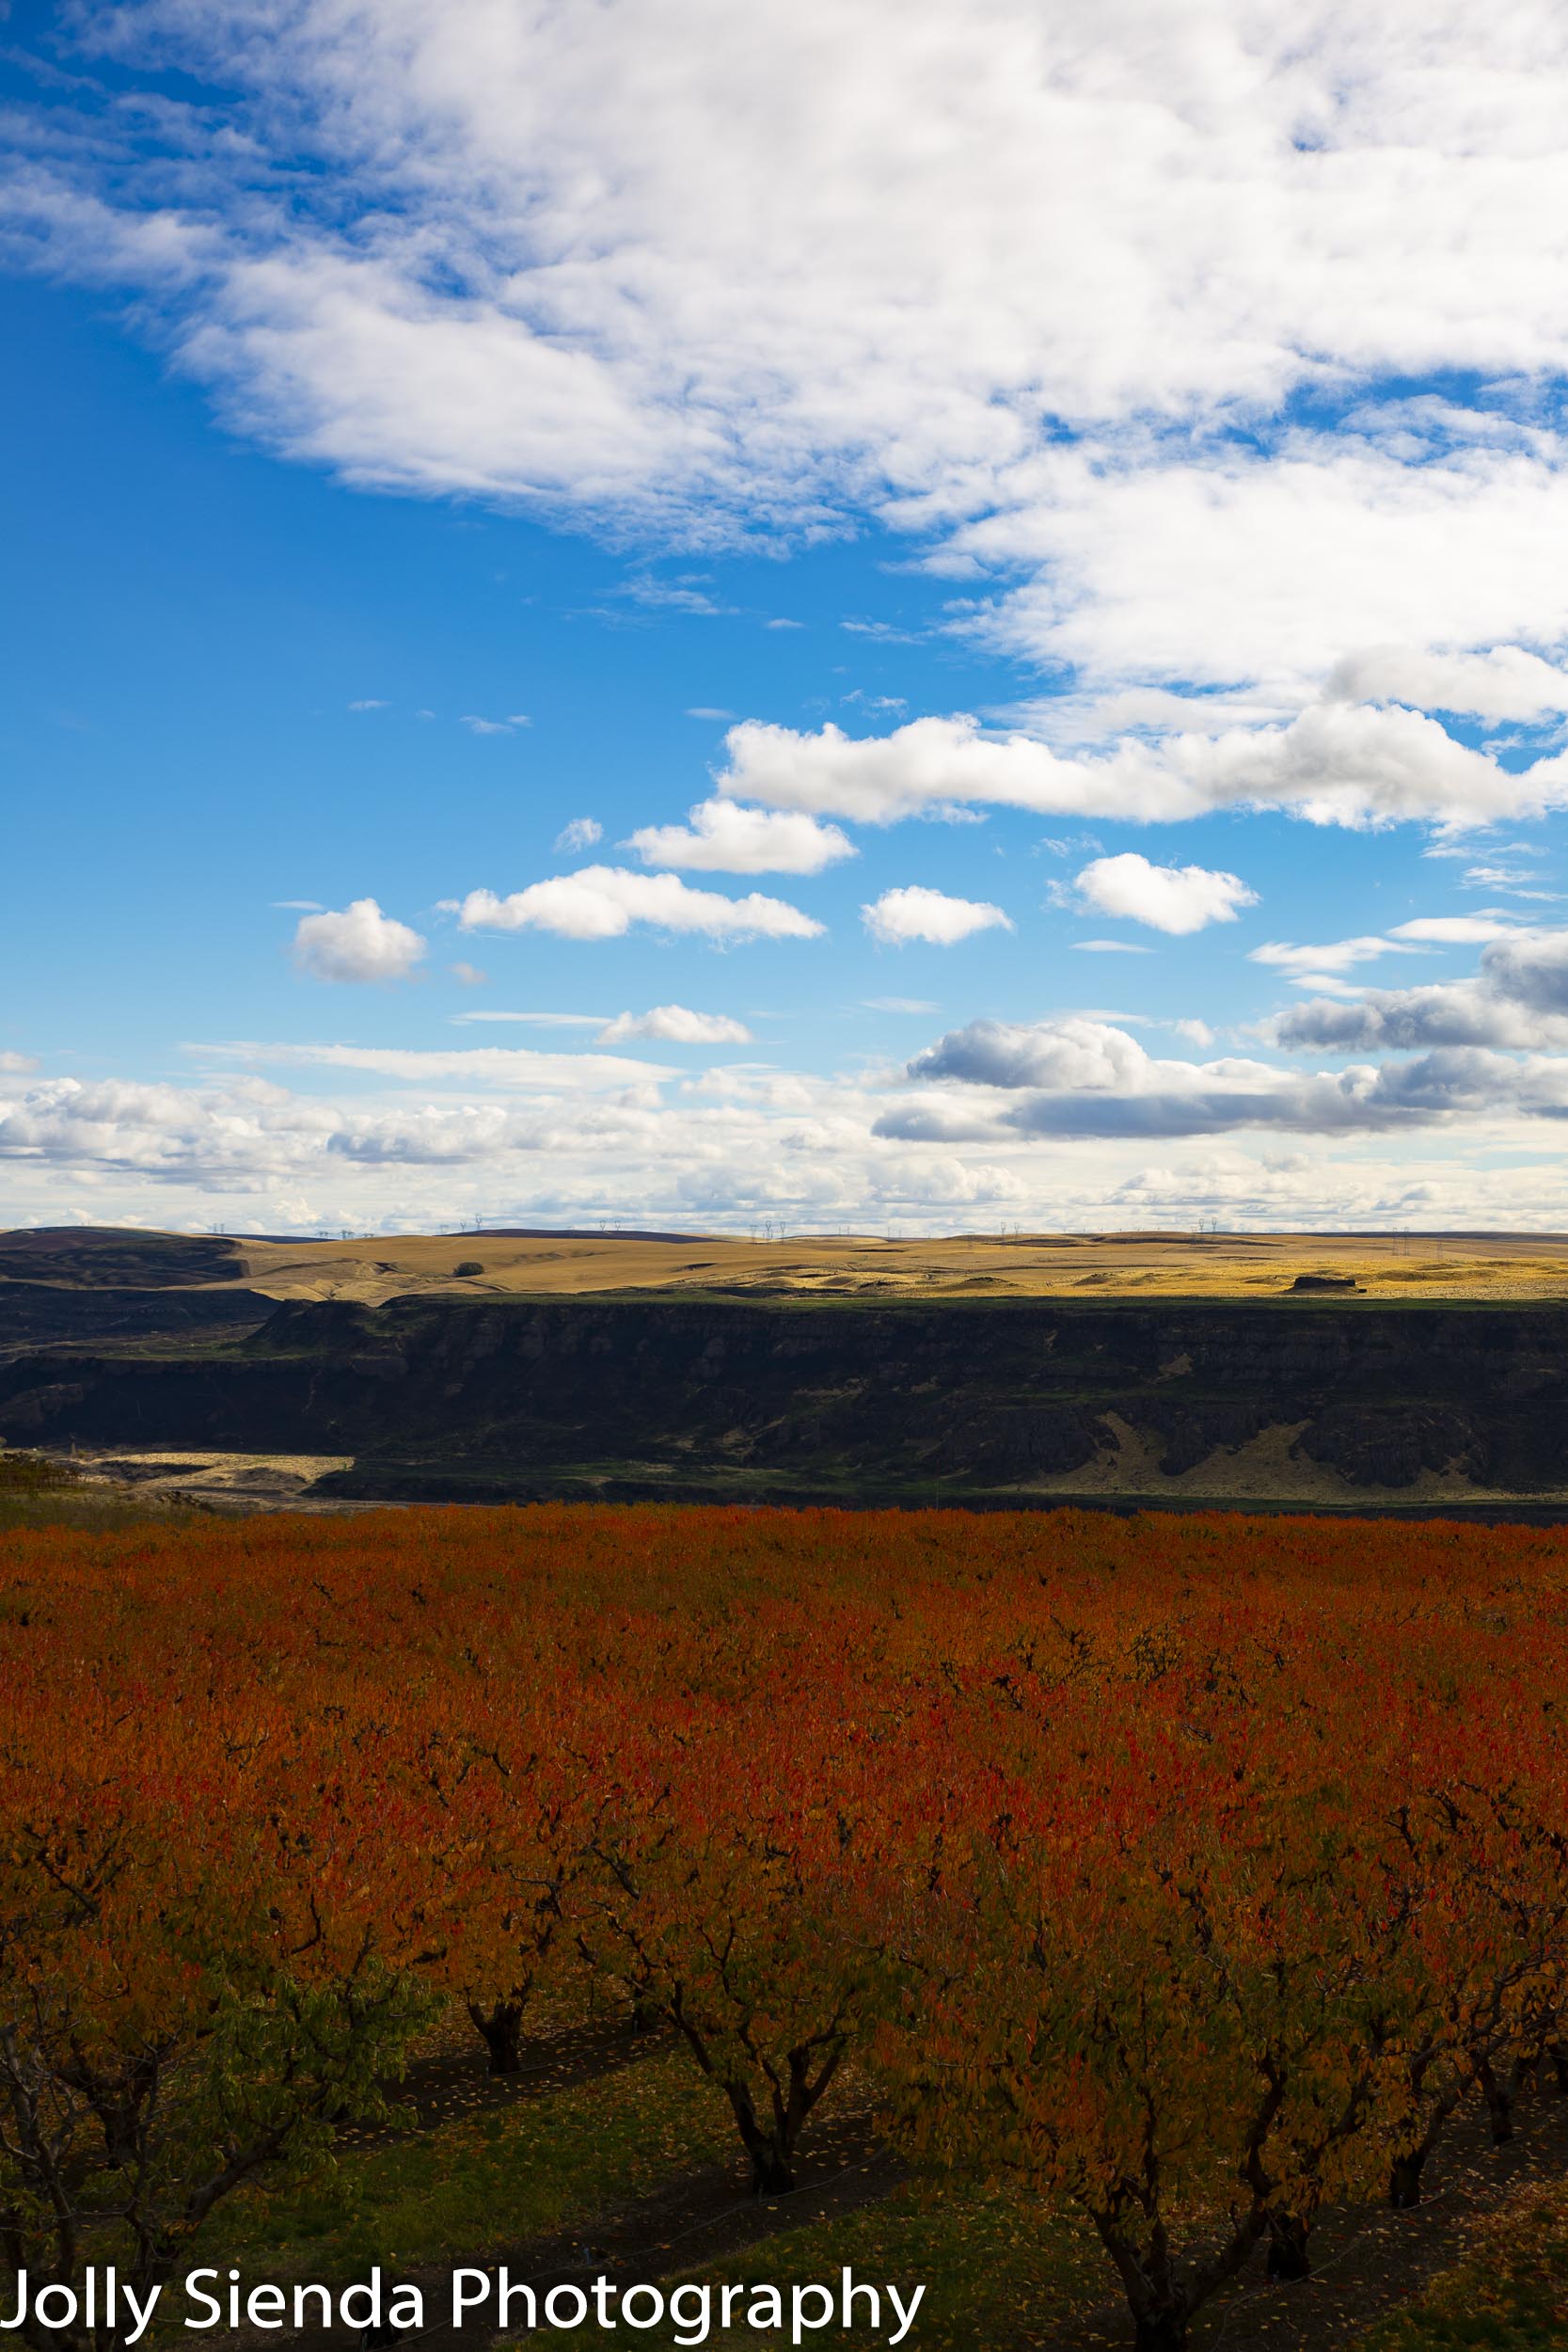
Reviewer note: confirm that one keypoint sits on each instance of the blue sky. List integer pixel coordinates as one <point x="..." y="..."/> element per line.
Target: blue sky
<point x="1109" y="613"/>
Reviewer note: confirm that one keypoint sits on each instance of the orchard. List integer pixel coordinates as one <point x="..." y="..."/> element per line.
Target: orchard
<point x="1188" y="1872"/>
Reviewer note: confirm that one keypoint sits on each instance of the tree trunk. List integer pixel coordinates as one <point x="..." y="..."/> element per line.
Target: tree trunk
<point x="1557" y="2054"/>
<point x="771" y="2175"/>
<point x="500" y="2029"/>
<point x="1498" y="2097"/>
<point x="1404" y="2180"/>
<point x="1159" y="2332"/>
<point x="1289" y="2257"/>
<point x="646" y="2016"/>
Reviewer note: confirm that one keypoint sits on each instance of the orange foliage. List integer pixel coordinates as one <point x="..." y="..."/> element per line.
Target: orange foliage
<point x="1173" y="1865"/>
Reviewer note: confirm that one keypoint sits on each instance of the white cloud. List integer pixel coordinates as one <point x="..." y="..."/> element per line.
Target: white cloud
<point x="1340" y="955"/>
<point x="508" y="725"/>
<point x="707" y="711"/>
<point x="470" y="976"/>
<point x="776" y="304"/>
<point x="368" y="704"/>
<point x="358" y="943"/>
<point x="1321" y="966"/>
<point x="604" y="901"/>
<point x="803" y="260"/>
<point x="898" y="1004"/>
<point x="868" y="257"/>
<point x="1511" y="882"/>
<point x="674" y="1025"/>
<point x="1110" y="947"/>
<point x="1176" y="899"/>
<point x="721" y="837"/>
<point x="1451" y="931"/>
<point x="15" y="1065"/>
<point x="1264" y="571"/>
<point x="1502" y="684"/>
<point x="582" y="834"/>
<point x="1333" y="765"/>
<point x="914" y="913"/>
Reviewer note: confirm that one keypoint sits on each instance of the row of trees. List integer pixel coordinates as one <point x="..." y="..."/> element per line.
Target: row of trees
<point x="1189" y="1873"/>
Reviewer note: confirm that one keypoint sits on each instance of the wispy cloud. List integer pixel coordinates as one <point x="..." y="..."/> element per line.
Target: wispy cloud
<point x="582" y="834"/>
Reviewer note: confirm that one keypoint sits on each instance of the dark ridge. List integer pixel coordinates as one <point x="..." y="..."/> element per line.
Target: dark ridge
<point x="852" y="1401"/>
<point x="574" y="1232"/>
<point x="115" y="1256"/>
<point x="43" y="1314"/>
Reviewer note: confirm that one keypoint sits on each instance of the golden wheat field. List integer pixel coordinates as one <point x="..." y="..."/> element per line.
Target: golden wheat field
<point x="1388" y="1266"/>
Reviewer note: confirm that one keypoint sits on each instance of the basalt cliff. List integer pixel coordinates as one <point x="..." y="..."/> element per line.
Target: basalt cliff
<point x="1319" y="1400"/>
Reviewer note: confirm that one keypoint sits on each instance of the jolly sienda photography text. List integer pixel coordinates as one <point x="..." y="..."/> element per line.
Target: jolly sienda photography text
<point x="696" y="2312"/>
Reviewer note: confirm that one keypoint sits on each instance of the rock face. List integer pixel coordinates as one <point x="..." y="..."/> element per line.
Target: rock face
<point x="490" y="1399"/>
<point x="34" y="1314"/>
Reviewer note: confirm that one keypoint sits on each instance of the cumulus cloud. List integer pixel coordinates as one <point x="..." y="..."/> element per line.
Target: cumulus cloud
<point x="721" y="837"/>
<point x="676" y="1025"/>
<point x="1336" y="763"/>
<point x="604" y="901"/>
<point x="1517" y="1000"/>
<point x="1176" y="899"/>
<point x="356" y="943"/>
<point x="899" y="917"/>
<point x="1081" y="1077"/>
<point x="1253" y="572"/>
<point x="582" y="834"/>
